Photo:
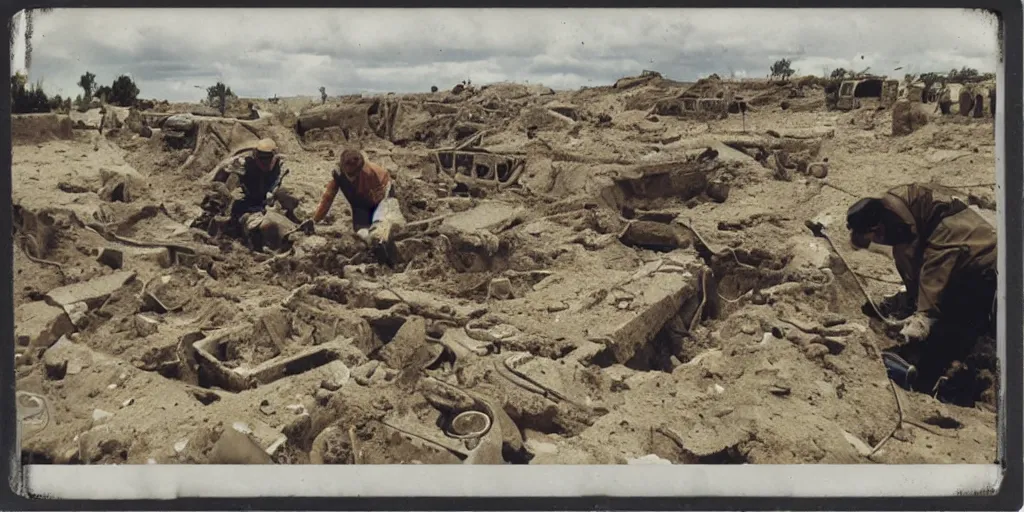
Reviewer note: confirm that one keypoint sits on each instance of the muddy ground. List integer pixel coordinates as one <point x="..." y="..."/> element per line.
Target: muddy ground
<point x="617" y="283"/>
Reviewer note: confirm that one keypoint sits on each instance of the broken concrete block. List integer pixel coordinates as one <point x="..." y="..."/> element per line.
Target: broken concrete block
<point x="111" y="257"/>
<point x="92" y="292"/>
<point x="38" y="324"/>
<point x="500" y="288"/>
<point x="179" y="123"/>
<point x="398" y="353"/>
<point x="234" y="447"/>
<point x="77" y="312"/>
<point x="336" y="375"/>
<point x="145" y="325"/>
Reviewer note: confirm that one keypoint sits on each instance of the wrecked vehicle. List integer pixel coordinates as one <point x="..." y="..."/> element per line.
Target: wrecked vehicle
<point x="867" y="93"/>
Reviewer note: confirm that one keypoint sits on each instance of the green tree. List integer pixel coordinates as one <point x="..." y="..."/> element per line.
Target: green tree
<point x="87" y="82"/>
<point x="123" y="92"/>
<point x="323" y="95"/>
<point x="218" y="95"/>
<point x="782" y="69"/>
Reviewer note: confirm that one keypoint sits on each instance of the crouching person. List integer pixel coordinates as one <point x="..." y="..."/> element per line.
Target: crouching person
<point x="945" y="254"/>
<point x="369" y="190"/>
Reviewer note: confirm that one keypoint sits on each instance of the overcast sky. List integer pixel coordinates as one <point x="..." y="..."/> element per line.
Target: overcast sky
<point x="287" y="52"/>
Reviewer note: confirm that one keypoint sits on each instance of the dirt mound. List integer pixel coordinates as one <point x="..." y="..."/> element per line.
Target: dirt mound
<point x="36" y="128"/>
<point x="908" y="117"/>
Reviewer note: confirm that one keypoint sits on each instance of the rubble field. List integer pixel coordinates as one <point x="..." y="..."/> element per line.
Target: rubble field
<point x="612" y="275"/>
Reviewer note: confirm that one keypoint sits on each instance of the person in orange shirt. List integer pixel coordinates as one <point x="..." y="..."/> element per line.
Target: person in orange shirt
<point x="364" y="184"/>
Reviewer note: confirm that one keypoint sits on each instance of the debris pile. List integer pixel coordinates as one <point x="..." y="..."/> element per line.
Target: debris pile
<point x="617" y="275"/>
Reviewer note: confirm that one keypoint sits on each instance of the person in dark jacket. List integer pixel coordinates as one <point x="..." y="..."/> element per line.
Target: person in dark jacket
<point x="261" y="172"/>
<point x="946" y="255"/>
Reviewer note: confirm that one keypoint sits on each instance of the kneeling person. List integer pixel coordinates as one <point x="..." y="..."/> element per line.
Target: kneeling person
<point x="368" y="188"/>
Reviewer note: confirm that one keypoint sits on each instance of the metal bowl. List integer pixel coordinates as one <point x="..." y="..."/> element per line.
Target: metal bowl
<point x="470" y="425"/>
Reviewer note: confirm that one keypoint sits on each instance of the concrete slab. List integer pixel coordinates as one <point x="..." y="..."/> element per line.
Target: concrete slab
<point x="38" y="324"/>
<point x="484" y="216"/>
<point x="92" y="292"/>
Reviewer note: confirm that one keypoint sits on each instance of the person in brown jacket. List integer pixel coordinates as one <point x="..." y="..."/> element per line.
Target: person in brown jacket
<point x="364" y="184"/>
<point x="945" y="254"/>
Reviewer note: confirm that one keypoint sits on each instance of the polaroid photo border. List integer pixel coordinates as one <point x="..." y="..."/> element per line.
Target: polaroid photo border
<point x="978" y="487"/>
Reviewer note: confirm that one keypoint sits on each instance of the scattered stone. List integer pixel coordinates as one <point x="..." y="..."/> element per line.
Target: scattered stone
<point x="78" y="313"/>
<point x="362" y="374"/>
<point x="181" y="445"/>
<point x="818" y="170"/>
<point x="749" y="329"/>
<point x="556" y="307"/>
<point x="718" y="192"/>
<point x="815" y="351"/>
<point x="322" y="396"/>
<point x="500" y="288"/>
<point x="128" y="402"/>
<point x="398" y="353"/>
<point x="338" y="374"/>
<point x="100" y="417"/>
<point x="779" y="389"/>
<point x="832" y="344"/>
<point x="297" y="409"/>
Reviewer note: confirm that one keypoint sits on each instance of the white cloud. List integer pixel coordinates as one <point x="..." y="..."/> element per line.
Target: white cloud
<point x="262" y="52"/>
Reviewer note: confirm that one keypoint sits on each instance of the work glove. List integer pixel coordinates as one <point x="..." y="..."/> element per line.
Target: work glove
<point x="917" y="328"/>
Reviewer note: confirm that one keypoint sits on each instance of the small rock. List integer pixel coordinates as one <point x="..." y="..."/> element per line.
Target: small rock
<point x="818" y="170"/>
<point x="111" y="257"/>
<point x="128" y="402"/>
<point x="112" y="386"/>
<point x="500" y="288"/>
<point x="832" y="320"/>
<point x="362" y="374"/>
<point x="558" y="306"/>
<point x="338" y="375"/>
<point x="145" y="325"/>
<point x="297" y="408"/>
<point x="78" y="313"/>
<point x="99" y="417"/>
<point x="816" y="351"/>
<point x="322" y="396"/>
<point x="718" y="192"/>
<point x="832" y="344"/>
<point x="779" y="389"/>
<point x="748" y="329"/>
